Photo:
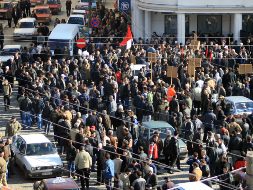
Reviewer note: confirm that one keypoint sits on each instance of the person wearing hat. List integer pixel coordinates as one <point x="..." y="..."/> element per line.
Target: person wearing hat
<point x="13" y="127"/>
<point x="7" y="91"/>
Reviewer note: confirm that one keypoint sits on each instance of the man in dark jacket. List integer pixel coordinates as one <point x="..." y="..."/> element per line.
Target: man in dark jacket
<point x="151" y="179"/>
<point x="70" y="157"/>
<point x="46" y="114"/>
<point x="38" y="106"/>
<point x="209" y="120"/>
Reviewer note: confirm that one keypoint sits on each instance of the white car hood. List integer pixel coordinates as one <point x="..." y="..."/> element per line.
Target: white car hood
<point x="24" y="30"/>
<point x="44" y="160"/>
<point x="5" y="58"/>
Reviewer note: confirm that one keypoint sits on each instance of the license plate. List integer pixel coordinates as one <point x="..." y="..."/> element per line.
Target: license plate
<point x="47" y="173"/>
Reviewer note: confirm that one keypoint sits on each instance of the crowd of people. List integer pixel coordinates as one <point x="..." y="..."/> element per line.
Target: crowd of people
<point x="95" y="106"/>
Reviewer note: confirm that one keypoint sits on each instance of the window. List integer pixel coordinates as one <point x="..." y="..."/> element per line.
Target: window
<point x="247" y="23"/>
<point x="26" y="25"/>
<point x="171" y="24"/>
<point x="40" y="149"/>
<point x="209" y="24"/>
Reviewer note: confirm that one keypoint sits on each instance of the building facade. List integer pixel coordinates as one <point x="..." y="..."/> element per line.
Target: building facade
<point x="181" y="17"/>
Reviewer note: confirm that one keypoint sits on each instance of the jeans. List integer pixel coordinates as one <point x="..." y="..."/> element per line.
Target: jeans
<point x="108" y="184"/>
<point x="39" y="121"/>
<point x="7" y="102"/>
<point x="26" y="119"/>
<point x="48" y="126"/>
<point x="71" y="167"/>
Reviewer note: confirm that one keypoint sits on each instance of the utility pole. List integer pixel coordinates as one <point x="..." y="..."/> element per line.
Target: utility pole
<point x="249" y="170"/>
<point x="89" y="23"/>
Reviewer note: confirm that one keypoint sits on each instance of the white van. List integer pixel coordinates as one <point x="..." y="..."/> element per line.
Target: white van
<point x="64" y="35"/>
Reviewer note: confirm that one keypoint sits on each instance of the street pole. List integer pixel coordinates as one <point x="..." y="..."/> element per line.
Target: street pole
<point x="89" y="23"/>
<point x="249" y="170"/>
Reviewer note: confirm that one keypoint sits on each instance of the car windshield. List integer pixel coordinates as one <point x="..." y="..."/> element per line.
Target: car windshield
<point x="75" y="20"/>
<point x="26" y="25"/>
<point x="87" y="1"/>
<point x="40" y="149"/>
<point x="244" y="106"/>
<point x="162" y="132"/>
<point x="53" y="2"/>
<point x="42" y="11"/>
<point x="11" y="51"/>
<point x="5" y="5"/>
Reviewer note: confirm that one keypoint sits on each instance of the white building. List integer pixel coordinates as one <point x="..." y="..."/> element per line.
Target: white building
<point x="181" y="17"/>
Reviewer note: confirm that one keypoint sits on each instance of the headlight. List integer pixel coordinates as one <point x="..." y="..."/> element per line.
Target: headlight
<point x="37" y="168"/>
<point x="33" y="168"/>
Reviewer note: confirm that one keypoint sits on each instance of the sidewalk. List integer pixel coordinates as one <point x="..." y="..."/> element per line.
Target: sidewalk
<point x="4" y="23"/>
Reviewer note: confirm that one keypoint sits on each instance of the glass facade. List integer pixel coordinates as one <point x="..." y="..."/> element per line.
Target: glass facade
<point x="209" y="24"/>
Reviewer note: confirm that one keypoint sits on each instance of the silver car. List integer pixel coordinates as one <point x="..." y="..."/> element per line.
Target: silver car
<point x="238" y="105"/>
<point x="36" y="156"/>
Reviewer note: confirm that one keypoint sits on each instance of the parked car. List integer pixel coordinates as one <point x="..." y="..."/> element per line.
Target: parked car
<point x="237" y="105"/>
<point x="26" y="29"/>
<point x="55" y="6"/>
<point x="84" y="4"/>
<point x="56" y="184"/>
<point x="9" y="51"/>
<point x="36" y="156"/>
<point x="76" y="19"/>
<point x="80" y="11"/>
<point x="36" y="2"/>
<point x="163" y="127"/>
<point x="5" y="8"/>
<point x="43" y="14"/>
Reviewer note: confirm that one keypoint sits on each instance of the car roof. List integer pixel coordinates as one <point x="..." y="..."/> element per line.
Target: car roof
<point x="27" y="20"/>
<point x="41" y="7"/>
<point x="236" y="99"/>
<point x="156" y="124"/>
<point x="60" y="183"/>
<point x="34" y="138"/>
<point x="12" y="47"/>
<point x="64" y="31"/>
<point x="76" y="15"/>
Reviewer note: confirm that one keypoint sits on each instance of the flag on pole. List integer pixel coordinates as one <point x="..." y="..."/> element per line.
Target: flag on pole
<point x="127" y="41"/>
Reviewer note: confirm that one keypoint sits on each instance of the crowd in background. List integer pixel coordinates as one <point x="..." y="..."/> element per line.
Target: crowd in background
<point x="95" y="106"/>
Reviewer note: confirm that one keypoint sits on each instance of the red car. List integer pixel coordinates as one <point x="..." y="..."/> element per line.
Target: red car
<point x="55" y="6"/>
<point x="36" y="2"/>
<point x="5" y="8"/>
<point x="56" y="184"/>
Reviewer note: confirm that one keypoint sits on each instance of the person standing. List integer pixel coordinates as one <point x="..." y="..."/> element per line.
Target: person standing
<point x="38" y="106"/>
<point x="13" y="127"/>
<point x="1" y="39"/>
<point x="16" y="16"/>
<point x="7" y="94"/>
<point x="109" y="171"/>
<point x="68" y="7"/>
<point x="3" y="169"/>
<point x="70" y="157"/>
<point x="9" y="18"/>
<point x="28" y="8"/>
<point x="83" y="162"/>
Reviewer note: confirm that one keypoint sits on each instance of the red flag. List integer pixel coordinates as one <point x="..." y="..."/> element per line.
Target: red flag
<point x="206" y="51"/>
<point x="127" y="41"/>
